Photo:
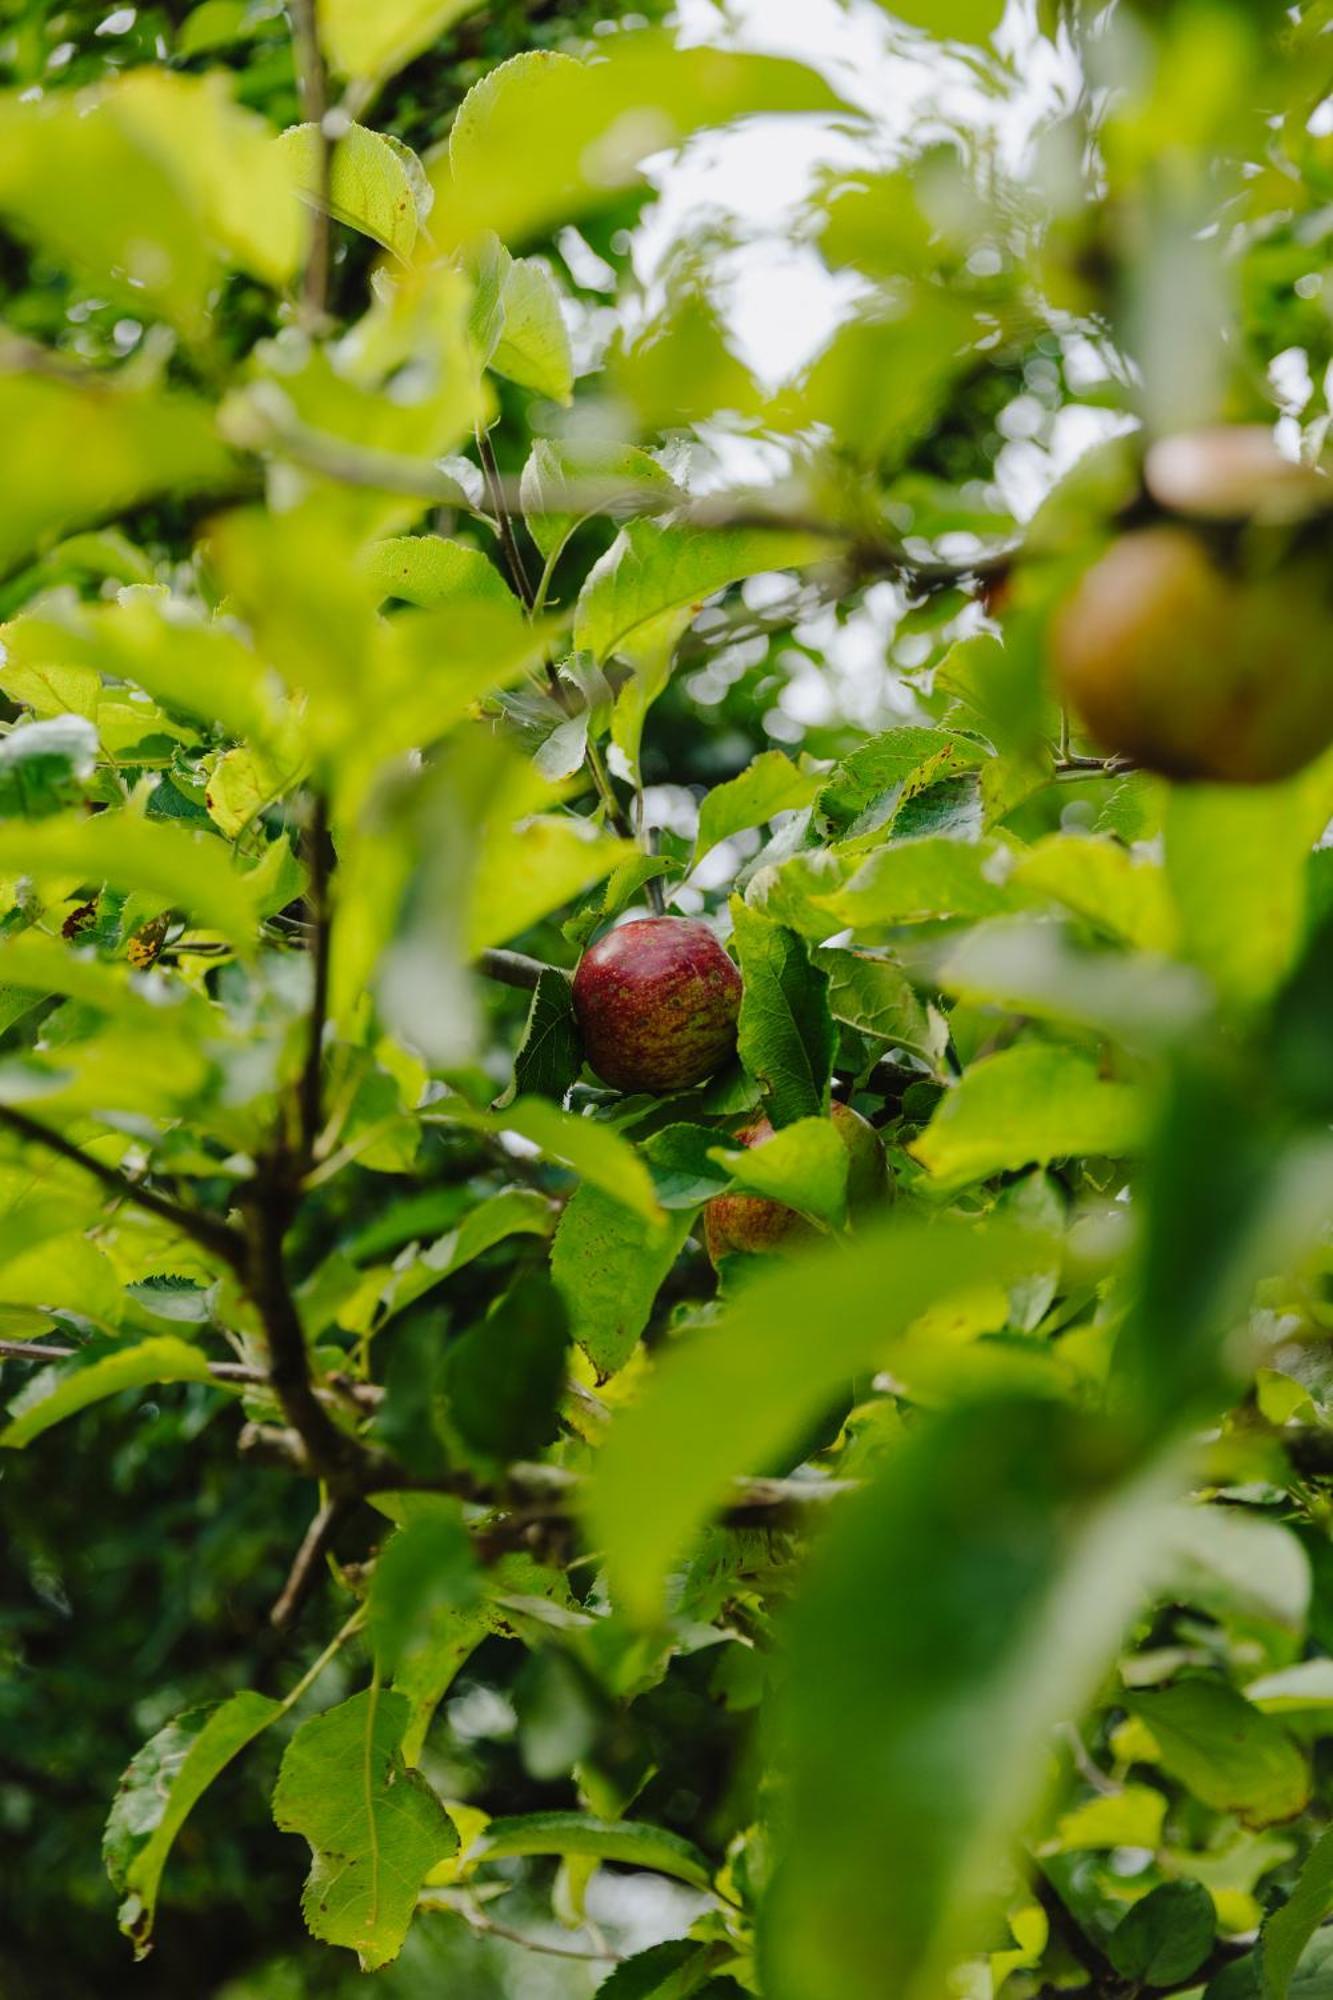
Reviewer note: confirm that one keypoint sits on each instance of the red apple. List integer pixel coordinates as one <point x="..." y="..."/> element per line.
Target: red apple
<point x="737" y="1223"/>
<point x="657" y="1002"/>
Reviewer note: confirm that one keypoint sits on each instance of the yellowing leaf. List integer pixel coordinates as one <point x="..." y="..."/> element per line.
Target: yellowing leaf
<point x="193" y="872"/>
<point x="1236" y="861"/>
<point x="371" y="185"/>
<point x="430" y="570"/>
<point x="530" y="869"/>
<point x="373" y="40"/>
<point x="75" y="451"/>
<point x="1026" y="1106"/>
<point x="533" y="349"/>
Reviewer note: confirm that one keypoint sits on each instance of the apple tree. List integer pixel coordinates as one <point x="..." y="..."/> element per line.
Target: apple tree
<point x="667" y="1037"/>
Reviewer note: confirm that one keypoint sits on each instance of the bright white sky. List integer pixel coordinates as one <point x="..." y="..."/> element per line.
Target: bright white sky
<point x="784" y="303"/>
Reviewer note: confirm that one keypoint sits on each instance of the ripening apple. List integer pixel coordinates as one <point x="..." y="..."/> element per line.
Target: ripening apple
<point x="657" y="1002"/>
<point x="1195" y="671"/>
<point x="736" y="1223"/>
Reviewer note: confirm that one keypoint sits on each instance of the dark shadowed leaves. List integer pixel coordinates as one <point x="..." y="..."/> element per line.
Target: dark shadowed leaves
<point x="505" y="1375"/>
<point x="549" y="1056"/>
<point x="1166" y="1937"/>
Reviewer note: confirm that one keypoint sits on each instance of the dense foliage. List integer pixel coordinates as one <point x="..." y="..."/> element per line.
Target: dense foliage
<point x="798" y="1462"/>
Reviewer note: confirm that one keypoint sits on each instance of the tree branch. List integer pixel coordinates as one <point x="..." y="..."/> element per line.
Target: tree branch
<point x="318" y="863"/>
<point x="314" y="90"/>
<point x="347" y="1466"/>
<point x="305" y="1569"/>
<point x="213" y="1235"/>
<point x="513" y="968"/>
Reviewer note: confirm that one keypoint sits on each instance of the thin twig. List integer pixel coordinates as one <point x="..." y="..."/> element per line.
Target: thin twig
<point x="318" y="854"/>
<point x="304" y="1572"/>
<point x="478" y="1921"/>
<point x="513" y="968"/>
<point x="331" y="1651"/>
<point x="34" y="1350"/>
<point x="213" y="1235"/>
<point x="314" y="106"/>
<point x="513" y="554"/>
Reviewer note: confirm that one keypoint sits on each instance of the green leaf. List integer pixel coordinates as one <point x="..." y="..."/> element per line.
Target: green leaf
<point x="681" y="1161"/>
<point x="74" y="453"/>
<point x="593" y="1151"/>
<point x="1029" y="965"/>
<point x="430" y="1664"/>
<point x="550" y="1055"/>
<point x="533" y="349"/>
<point x="530" y="869"/>
<point x="785" y="1034"/>
<point x="89" y="187"/>
<point x="1289" y="1929"/>
<point x="631" y="1842"/>
<point x="1120" y="893"/>
<point x="375" y="1827"/>
<point x="174" y="869"/>
<point x="515" y="1212"/>
<point x="736" y="1394"/>
<point x="650" y="570"/>
<point x="373" y="42"/>
<point x="804" y="1165"/>
<point x="371" y="186"/>
<point x="161" y="1359"/>
<point x="1026" y="1106"/>
<point x="950" y="20"/>
<point x="542" y="138"/>
<point x="622" y="888"/>
<point x="1224" y="1750"/>
<point x="568" y="480"/>
<point x="915" y="1744"/>
<point x="869" y="785"/>
<point x="224" y="158"/>
<point x="440" y="1645"/>
<point x="64" y="1272"/>
<point x="191" y="665"/>
<point x="1166" y="1936"/>
<point x="673" y="1971"/>
<point x="609" y="1265"/>
<point x="875" y="996"/>
<point x="163" y="1784"/>
<point x="423" y="1576"/>
<point x="44" y="766"/>
<point x="1236" y="861"/>
<point x="1233" y="1564"/>
<point x="1129" y="1818"/>
<point x="430" y="570"/>
<point x="770" y="784"/>
<point x="242" y="786"/>
<point x="921" y="880"/>
<point x="505" y="1376"/>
